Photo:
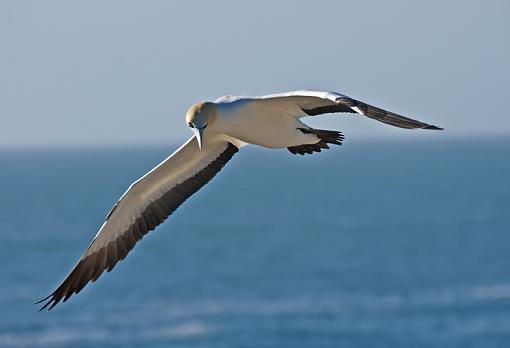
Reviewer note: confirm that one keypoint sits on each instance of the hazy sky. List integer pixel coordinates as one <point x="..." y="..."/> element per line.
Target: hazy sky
<point x="125" y="72"/>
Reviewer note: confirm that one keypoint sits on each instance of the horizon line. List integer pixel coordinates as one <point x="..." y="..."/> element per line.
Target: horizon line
<point x="172" y="144"/>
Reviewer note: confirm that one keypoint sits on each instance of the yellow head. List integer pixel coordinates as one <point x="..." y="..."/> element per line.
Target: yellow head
<point x="199" y="116"/>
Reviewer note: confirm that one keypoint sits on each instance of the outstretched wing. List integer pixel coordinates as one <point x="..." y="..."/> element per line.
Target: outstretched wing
<point x="311" y="103"/>
<point x="145" y="205"/>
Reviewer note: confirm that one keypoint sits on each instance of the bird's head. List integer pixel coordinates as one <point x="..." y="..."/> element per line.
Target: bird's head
<point x="199" y="117"/>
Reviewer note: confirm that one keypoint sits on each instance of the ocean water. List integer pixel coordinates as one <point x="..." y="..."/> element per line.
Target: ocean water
<point x="381" y="244"/>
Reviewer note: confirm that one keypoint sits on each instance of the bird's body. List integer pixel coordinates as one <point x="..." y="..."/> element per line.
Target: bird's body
<point x="221" y="129"/>
<point x="275" y="127"/>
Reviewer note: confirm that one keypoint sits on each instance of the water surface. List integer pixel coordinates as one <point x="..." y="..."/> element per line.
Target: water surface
<point x="368" y="245"/>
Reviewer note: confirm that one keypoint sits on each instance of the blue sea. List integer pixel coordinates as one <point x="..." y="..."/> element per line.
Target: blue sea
<point x="374" y="244"/>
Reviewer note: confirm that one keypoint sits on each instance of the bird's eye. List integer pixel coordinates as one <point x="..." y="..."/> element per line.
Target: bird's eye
<point x="190" y="125"/>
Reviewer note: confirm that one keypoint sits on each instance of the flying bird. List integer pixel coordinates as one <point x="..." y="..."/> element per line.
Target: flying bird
<point x="220" y="129"/>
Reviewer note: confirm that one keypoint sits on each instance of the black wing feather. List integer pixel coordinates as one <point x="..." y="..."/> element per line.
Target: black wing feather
<point x="92" y="266"/>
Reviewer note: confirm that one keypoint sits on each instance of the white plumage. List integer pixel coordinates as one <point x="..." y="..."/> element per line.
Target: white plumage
<point x="221" y="128"/>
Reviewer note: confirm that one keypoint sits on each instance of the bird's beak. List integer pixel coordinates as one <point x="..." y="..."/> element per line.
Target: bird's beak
<point x="199" y="134"/>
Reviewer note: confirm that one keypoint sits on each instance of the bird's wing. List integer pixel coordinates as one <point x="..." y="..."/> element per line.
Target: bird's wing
<point x="311" y="103"/>
<point x="145" y="205"/>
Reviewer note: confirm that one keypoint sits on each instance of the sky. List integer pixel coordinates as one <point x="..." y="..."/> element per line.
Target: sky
<point x="101" y="73"/>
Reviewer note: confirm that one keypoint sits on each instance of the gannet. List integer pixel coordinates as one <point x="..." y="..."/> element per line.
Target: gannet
<point x="220" y="129"/>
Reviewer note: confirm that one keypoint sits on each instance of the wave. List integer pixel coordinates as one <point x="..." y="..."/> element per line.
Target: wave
<point x="66" y="336"/>
<point x="455" y="312"/>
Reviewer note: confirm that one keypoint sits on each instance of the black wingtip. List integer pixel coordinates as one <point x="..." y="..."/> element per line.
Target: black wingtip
<point x="431" y="127"/>
<point x="50" y="300"/>
<point x="44" y="299"/>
